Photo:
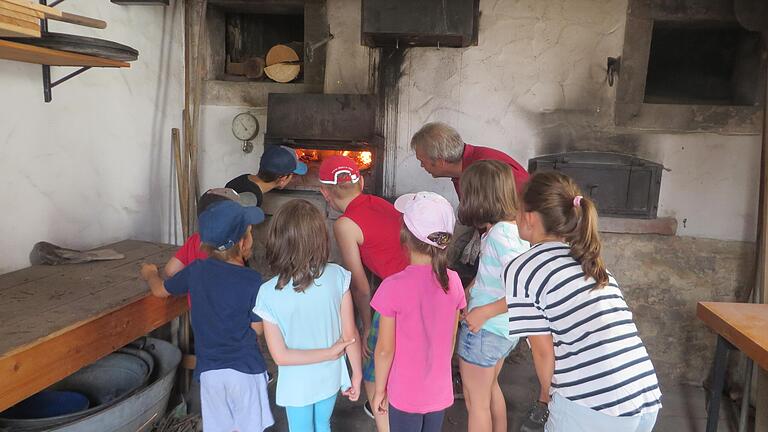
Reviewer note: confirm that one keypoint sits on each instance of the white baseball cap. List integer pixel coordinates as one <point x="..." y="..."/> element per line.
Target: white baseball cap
<point x="428" y="216"/>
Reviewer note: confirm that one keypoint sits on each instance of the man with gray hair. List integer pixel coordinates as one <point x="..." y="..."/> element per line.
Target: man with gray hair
<point x="443" y="153"/>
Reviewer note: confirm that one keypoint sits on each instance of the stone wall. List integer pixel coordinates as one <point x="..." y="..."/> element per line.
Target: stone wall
<point x="662" y="278"/>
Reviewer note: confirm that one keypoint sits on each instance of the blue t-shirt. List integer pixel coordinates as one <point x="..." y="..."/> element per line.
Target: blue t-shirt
<point x="308" y="320"/>
<point x="222" y="296"/>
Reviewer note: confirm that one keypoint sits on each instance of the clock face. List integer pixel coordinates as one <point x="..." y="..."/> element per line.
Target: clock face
<point x="245" y="126"/>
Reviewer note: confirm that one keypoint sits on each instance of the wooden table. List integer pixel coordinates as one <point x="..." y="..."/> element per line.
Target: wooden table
<point x="56" y="319"/>
<point x="741" y="326"/>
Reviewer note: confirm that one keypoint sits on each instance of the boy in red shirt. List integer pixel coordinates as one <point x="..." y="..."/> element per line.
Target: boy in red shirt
<point x="191" y="251"/>
<point x="368" y="236"/>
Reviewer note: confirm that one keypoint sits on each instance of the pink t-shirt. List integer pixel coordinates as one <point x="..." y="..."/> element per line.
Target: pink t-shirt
<point x="425" y="322"/>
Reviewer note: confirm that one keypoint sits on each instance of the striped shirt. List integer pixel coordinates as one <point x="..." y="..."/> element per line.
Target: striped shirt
<point x="600" y="361"/>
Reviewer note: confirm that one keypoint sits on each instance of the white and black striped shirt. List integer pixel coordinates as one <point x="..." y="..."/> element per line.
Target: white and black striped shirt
<point x="600" y="361"/>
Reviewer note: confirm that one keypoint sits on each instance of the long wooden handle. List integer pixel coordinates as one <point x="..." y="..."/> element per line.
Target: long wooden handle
<point x="78" y="19"/>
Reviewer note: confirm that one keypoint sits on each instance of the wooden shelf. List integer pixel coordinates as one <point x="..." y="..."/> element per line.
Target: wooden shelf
<point x="45" y="56"/>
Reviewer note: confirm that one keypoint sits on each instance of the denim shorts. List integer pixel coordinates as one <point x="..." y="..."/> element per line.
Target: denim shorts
<point x="483" y="348"/>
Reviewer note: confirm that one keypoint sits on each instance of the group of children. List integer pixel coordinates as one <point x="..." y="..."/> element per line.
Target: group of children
<point x="540" y="276"/>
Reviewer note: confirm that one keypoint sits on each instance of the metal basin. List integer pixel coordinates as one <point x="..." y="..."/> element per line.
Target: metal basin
<point x="118" y="386"/>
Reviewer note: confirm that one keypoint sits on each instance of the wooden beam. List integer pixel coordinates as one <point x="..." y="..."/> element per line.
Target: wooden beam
<point x="31" y="368"/>
<point x="761" y="402"/>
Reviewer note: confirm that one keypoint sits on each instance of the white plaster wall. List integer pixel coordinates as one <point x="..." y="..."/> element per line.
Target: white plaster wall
<point x="221" y="157"/>
<point x="712" y="186"/>
<point x="539" y="71"/>
<point x="93" y="166"/>
<point x="348" y="61"/>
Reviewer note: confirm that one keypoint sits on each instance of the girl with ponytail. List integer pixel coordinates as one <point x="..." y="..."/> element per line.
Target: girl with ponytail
<point x="593" y="368"/>
<point x="419" y="309"/>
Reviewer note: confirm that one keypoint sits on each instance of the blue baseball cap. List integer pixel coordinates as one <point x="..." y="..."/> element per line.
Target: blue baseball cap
<point x="281" y="160"/>
<point x="224" y="223"/>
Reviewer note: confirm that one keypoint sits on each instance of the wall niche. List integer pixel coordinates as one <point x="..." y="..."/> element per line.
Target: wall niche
<point x="241" y="32"/>
<point x="689" y="66"/>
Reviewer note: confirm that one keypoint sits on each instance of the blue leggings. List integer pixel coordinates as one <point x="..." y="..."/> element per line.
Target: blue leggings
<point x="315" y="417"/>
<point x="402" y="421"/>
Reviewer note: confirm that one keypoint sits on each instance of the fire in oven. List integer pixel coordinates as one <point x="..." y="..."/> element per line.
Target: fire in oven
<point x="313" y="157"/>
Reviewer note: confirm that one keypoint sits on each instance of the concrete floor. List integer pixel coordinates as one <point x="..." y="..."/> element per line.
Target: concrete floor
<point x="684" y="406"/>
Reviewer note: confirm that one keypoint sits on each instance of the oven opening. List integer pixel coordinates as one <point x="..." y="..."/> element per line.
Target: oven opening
<point x="314" y="157"/>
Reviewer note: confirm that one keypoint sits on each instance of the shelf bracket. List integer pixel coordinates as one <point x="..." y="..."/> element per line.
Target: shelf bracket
<point x="47" y="84"/>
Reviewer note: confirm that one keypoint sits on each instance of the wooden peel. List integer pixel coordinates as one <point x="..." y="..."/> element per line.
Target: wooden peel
<point x="19" y="15"/>
<point x="57" y="15"/>
<point x="12" y="30"/>
<point x="80" y="20"/>
<point x="19" y="23"/>
<point x="5" y="4"/>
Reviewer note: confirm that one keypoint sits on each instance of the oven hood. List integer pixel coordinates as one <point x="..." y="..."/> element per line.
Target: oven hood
<point x="321" y="120"/>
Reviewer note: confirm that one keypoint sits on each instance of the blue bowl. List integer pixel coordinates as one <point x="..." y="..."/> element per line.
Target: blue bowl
<point x="48" y="403"/>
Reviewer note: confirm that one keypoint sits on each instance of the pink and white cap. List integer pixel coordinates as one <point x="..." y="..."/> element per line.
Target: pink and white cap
<point x="428" y="216"/>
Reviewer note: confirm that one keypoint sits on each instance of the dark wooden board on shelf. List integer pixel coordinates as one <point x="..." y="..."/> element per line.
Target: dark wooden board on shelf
<point x="56" y="319"/>
<point x="38" y="55"/>
<point x="82" y="45"/>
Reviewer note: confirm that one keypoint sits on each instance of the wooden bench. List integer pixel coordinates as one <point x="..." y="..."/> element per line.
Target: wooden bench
<point x="56" y="319"/>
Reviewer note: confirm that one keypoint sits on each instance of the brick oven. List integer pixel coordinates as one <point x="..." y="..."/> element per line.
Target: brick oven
<point x="321" y="125"/>
<point x="317" y="126"/>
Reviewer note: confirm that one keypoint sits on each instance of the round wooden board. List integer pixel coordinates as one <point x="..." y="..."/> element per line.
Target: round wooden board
<point x="281" y="54"/>
<point x="282" y="72"/>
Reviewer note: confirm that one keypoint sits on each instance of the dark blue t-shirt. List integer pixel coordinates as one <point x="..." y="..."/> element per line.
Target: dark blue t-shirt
<point x="223" y="296"/>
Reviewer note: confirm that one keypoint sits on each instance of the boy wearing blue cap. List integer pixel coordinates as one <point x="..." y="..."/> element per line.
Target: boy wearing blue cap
<point x="230" y="367"/>
<point x="276" y="169"/>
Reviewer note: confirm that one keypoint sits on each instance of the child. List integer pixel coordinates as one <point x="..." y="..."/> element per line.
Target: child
<point x="419" y="309"/>
<point x="367" y="234"/>
<point x="582" y="336"/>
<point x="306" y="308"/>
<point x="277" y="166"/>
<point x="489" y="203"/>
<point x="191" y="250"/>
<point x="230" y="367"/>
